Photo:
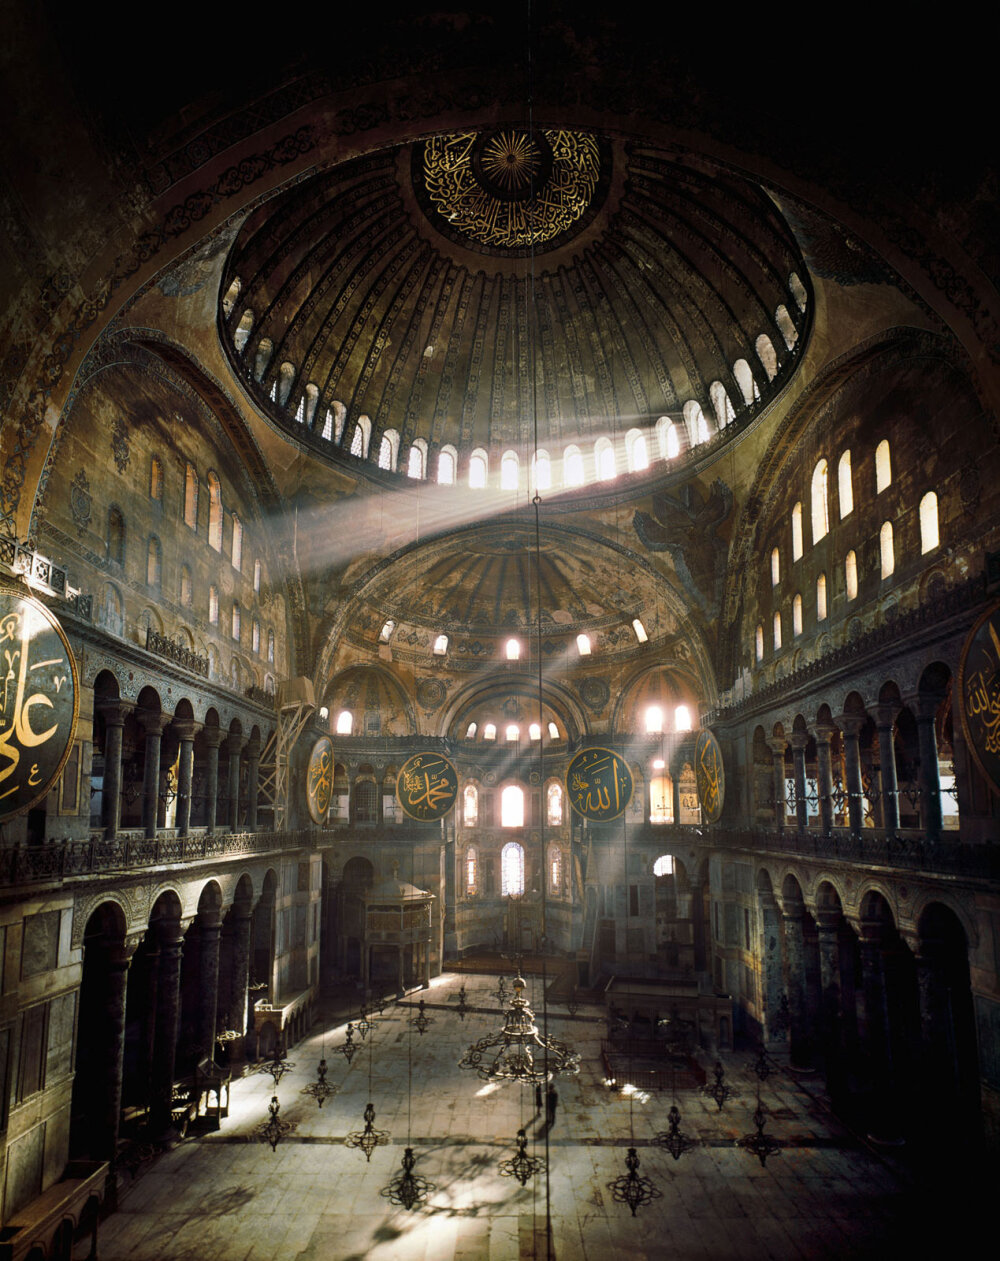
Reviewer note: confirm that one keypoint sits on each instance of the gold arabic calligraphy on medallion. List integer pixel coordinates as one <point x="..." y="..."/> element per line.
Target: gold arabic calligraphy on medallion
<point x="598" y="784"/>
<point x="710" y="776"/>
<point x="427" y="786"/>
<point x="319" y="779"/>
<point x="39" y="701"/>
<point x="979" y="693"/>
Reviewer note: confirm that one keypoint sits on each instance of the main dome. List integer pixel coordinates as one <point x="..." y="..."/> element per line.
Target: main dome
<point x="442" y="297"/>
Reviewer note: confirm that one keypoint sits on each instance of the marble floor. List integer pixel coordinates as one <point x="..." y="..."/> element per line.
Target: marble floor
<point x="224" y="1197"/>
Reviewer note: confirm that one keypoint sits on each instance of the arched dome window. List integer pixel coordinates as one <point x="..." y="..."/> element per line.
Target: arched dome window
<point x="820" y="502"/>
<point x="388" y="450"/>
<point x="535" y="731"/>
<point x="785" y="326"/>
<point x="604" y="460"/>
<point x="286" y="379"/>
<point x="312" y="403"/>
<point x="583" y="645"/>
<point x="441" y="646"/>
<point x="509" y="471"/>
<point x="243" y="330"/>
<point x="775" y="567"/>
<point x="345" y="722"/>
<point x="574" y="473"/>
<point x="654" y="719"/>
<point x="682" y="718"/>
<point x="821" y="598"/>
<point x="513" y="649"/>
<point x="722" y="404"/>
<point x="797" y="532"/>
<point x="541" y="471"/>
<point x="512" y="733"/>
<point x="232" y="293"/>
<point x="798" y="291"/>
<point x="845" y="485"/>
<point x="214" y="512"/>
<point x="883" y="467"/>
<point x="766" y="354"/>
<point x="490" y="731"/>
<point x="416" y="466"/>
<point x="886" y="550"/>
<point x="796" y="615"/>
<point x="851" y="575"/>
<point x="553" y="731"/>
<point x="470" y="731"/>
<point x="478" y="470"/>
<point x="636" y="451"/>
<point x="745" y="380"/>
<point x="929" y="537"/>
<point x="512" y="870"/>
<point x="265" y="349"/>
<point x="512" y="806"/>
<point x="362" y="437"/>
<point x="447" y="464"/>
<point x="697" y="423"/>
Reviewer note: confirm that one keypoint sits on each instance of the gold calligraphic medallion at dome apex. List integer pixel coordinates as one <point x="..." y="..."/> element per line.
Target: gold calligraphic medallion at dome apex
<point x="979" y="693"/>
<point x="319" y="779"/>
<point x="426" y="786"/>
<point x="710" y="776"/>
<point x="39" y="701"/>
<point x="598" y="784"/>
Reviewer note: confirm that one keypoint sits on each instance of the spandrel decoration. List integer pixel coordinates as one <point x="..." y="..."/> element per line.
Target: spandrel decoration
<point x="319" y="779"/>
<point x="711" y="776"/>
<point x="598" y="784"/>
<point x="427" y="786"/>
<point x="979" y="693"/>
<point x="39" y="701"/>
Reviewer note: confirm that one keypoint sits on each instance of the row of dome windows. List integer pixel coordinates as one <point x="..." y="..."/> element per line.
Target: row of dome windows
<point x="929" y="540"/>
<point x="668" y="437"/>
<point x="512" y="647"/>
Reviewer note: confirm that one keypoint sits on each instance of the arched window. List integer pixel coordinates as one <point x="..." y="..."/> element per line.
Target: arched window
<point x="512" y="733"/>
<point x="555" y="868"/>
<point x="929" y="537"/>
<point x="214" y="512"/>
<point x="721" y="404"/>
<point x="191" y="497"/>
<point x="187" y="587"/>
<point x="265" y="349"/>
<point x="470" y="806"/>
<point x="664" y="865"/>
<point x="554" y="804"/>
<point x="362" y="437"/>
<point x="765" y="353"/>
<point x="640" y="630"/>
<point x="535" y="731"/>
<point x="512" y="806"/>
<point x="154" y="561"/>
<point x="470" y="731"/>
<point x="156" y="479"/>
<point x="541" y="471"/>
<point x="745" y="380"/>
<point x="513" y="650"/>
<point x="798" y="291"/>
<point x="300" y="411"/>
<point x="339" y="421"/>
<point x="636" y="451"/>
<point x="479" y="470"/>
<point x="213" y="605"/>
<point x="243" y="330"/>
<point x="886" y="551"/>
<point x="654" y="719"/>
<point x="883" y="467"/>
<point x="845" y="486"/>
<point x="255" y="638"/>
<point x="416" y="465"/>
<point x="490" y="731"/>
<point x="237" y="542"/>
<point x="470" y="870"/>
<point x="851" y="575"/>
<point x="797" y="532"/>
<point x="821" y="598"/>
<point x="759" y="641"/>
<point x="604" y="460"/>
<point x="237" y="619"/>
<point x="785" y="326"/>
<point x="509" y="471"/>
<point x="270" y="646"/>
<point x="574" y="473"/>
<point x="232" y="293"/>
<point x="661" y="799"/>
<point x="820" y="502"/>
<point x="671" y="442"/>
<point x="583" y="645"/>
<point x="387" y="450"/>
<point x="775" y="566"/>
<point x="553" y="731"/>
<point x="365" y="799"/>
<point x="345" y="722"/>
<point x="682" y="718"/>
<point x="256" y="577"/>
<point x="441" y="646"/>
<point x="512" y="870"/>
<point x="286" y="379"/>
<point x="312" y="404"/>
<point x="777" y="630"/>
<point x="116" y="536"/>
<point x="447" y="461"/>
<point x="796" y="615"/>
<point x="662" y="430"/>
<point x="697" y="423"/>
<point x="385" y="634"/>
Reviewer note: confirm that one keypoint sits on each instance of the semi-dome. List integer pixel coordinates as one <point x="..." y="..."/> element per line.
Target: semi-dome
<point x="416" y="309"/>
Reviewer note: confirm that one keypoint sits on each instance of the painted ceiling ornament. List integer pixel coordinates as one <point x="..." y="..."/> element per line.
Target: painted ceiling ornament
<point x="119" y="444"/>
<point x="80" y="500"/>
<point x="511" y="190"/>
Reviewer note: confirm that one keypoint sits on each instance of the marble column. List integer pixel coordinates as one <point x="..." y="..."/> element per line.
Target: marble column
<point x="170" y="938"/>
<point x="213" y="738"/>
<point x="209" y="930"/>
<point x="885" y="721"/>
<point x="794" y="949"/>
<point x="234" y="747"/>
<point x="828" y="932"/>
<point x="239" y="977"/>
<point x="115" y="713"/>
<point x="115" y="959"/>
<point x="799" y="741"/>
<point x="824" y="776"/>
<point x="875" y="1033"/>
<point x="186" y="731"/>
<point x="253" y="782"/>
<point x="153" y="725"/>
<point x="777" y="746"/>
<point x="925" y="710"/>
<point x="850" y="725"/>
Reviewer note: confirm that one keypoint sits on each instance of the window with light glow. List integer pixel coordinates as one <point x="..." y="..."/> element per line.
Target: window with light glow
<point x="797" y="532"/>
<point x="416" y="465"/>
<point x="604" y="460"/>
<point x="509" y="471"/>
<point x="512" y="732"/>
<point x="237" y="542"/>
<point x="191" y="497"/>
<point x="821" y="598"/>
<point x="441" y="646"/>
<point x="886" y="550"/>
<point x="447" y="461"/>
<point x="574" y="473"/>
<point x="512" y="807"/>
<point x="883" y="467"/>
<point x="759" y="642"/>
<point x="345" y="722"/>
<point x="845" y="485"/>
<point x="820" y="502"/>
<point x="470" y="731"/>
<point x="640" y="630"/>
<point x="775" y="566"/>
<point x="385" y="634"/>
<point x="478" y="470"/>
<point x="553" y="731"/>
<point x="214" y="512"/>
<point x="470" y="806"/>
<point x="636" y="451"/>
<point x="534" y="732"/>
<point x="777" y="631"/>
<point x="664" y="865"/>
<point x="470" y="870"/>
<point x="851" y="575"/>
<point x="541" y="471"/>
<point x="682" y="718"/>
<point x="554" y="804"/>
<point x="654" y="719"/>
<point x="583" y="645"/>
<point x="256" y="577"/>
<point x="512" y="870"/>
<point x="490" y="731"/>
<point x="797" y="615"/>
<point x="513" y="650"/>
<point x="555" y="869"/>
<point x="929" y="537"/>
<point x="661" y="799"/>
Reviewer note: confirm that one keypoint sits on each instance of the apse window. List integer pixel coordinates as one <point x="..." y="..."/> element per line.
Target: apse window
<point x="797" y="615"/>
<point x="490" y="731"/>
<point x="513" y="650"/>
<point x="553" y="731"/>
<point x="886" y="550"/>
<point x="574" y="473"/>
<point x="509" y="471"/>
<point x="512" y="807"/>
<point x="654" y="719"/>
<point x="583" y="645"/>
<point x="470" y="806"/>
<point x="640" y="630"/>
<point x="929" y="537"/>
<point x="512" y="870"/>
<point x="682" y="718"/>
<point x="385" y="634"/>
<point x="478" y="470"/>
<point x="345" y="722"/>
<point x="441" y="646"/>
<point x="661" y="799"/>
<point x="845" y="485"/>
<point x="554" y="804"/>
<point x="883" y="467"/>
<point x="797" y="532"/>
<point x="534" y="732"/>
<point x="759" y="642"/>
<point x="672" y="442"/>
<point x="851" y="575"/>
<point x="636" y="451"/>
<point x="775" y="566"/>
<point x="604" y="458"/>
<point x="512" y="733"/>
<point x="821" y="598"/>
<point x="664" y="865"/>
<point x="470" y="731"/>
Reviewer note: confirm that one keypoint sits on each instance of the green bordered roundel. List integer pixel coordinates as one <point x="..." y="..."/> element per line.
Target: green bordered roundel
<point x="39" y="701"/>
<point x="598" y="784"/>
<point x="427" y="786"/>
<point x="710" y="775"/>
<point x="979" y="693"/>
<point x="319" y="779"/>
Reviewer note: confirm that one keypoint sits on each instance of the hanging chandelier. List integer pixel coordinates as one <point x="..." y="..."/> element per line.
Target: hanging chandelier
<point x="348" y="1049"/>
<point x="519" y="1052"/>
<point x="274" y="1129"/>
<point x="758" y="1143"/>
<point x="522" y="1166"/>
<point x="369" y="1138"/>
<point x="421" y="1022"/>
<point x="407" y="1189"/>
<point x="320" y="1089"/>
<point x="672" y="1139"/>
<point x="277" y="1065"/>
<point x="633" y="1188"/>
<point x="718" y="1090"/>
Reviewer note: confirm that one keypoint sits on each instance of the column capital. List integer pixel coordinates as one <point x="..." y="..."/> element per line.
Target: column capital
<point x="152" y="723"/>
<point x="777" y="745"/>
<point x="798" y="740"/>
<point x="214" y="737"/>
<point x="254" y="746"/>
<point x="186" y="728"/>
<point x="115" y="712"/>
<point x="851" y="724"/>
<point x="235" y="744"/>
<point x="824" y="732"/>
<point x="886" y="713"/>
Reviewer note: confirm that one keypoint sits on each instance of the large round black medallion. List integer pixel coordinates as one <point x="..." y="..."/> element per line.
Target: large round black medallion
<point x="598" y="784"/>
<point x="710" y="776"/>
<point x="427" y="786"/>
<point x="319" y="779"/>
<point x="979" y="693"/>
